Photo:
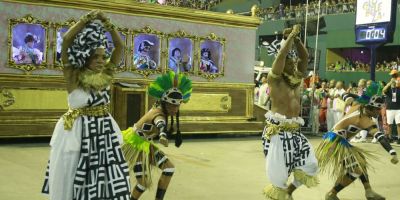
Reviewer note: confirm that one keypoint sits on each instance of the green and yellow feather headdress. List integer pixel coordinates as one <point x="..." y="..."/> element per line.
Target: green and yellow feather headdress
<point x="372" y="96"/>
<point x="171" y="87"/>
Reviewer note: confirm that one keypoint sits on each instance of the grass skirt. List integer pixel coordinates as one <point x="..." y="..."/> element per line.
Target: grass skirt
<point x="137" y="149"/>
<point x="337" y="156"/>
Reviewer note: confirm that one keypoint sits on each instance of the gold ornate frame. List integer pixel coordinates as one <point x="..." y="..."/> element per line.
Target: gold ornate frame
<point x="27" y="19"/>
<point x="57" y="26"/>
<point x="149" y="31"/>
<point x="182" y="34"/>
<point x="221" y="66"/>
<point x="123" y="67"/>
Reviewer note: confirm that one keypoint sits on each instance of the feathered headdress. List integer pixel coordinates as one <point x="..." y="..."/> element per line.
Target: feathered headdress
<point x="173" y="88"/>
<point x="372" y="96"/>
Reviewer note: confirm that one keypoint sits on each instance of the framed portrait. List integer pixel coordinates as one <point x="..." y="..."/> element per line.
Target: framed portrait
<point x="60" y="30"/>
<point x="212" y="55"/>
<point x="123" y="33"/>
<point x="146" y="52"/>
<point x="28" y="42"/>
<point x="180" y="52"/>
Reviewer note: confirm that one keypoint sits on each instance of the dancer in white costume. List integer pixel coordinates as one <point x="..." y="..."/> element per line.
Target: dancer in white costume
<point x="286" y="149"/>
<point x="86" y="161"/>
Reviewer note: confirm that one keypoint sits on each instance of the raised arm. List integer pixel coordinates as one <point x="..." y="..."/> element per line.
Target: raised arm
<point x="388" y="85"/>
<point x="70" y="73"/>
<point x="70" y="35"/>
<point x="303" y="55"/>
<point x="118" y="51"/>
<point x="279" y="63"/>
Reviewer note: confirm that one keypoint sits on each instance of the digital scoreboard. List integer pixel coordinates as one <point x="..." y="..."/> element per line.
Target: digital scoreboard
<point x="372" y="34"/>
<point x="373" y="21"/>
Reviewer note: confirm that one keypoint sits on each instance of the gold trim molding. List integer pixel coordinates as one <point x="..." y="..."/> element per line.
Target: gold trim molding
<point x="208" y="102"/>
<point x="128" y="7"/>
<point x="6" y="99"/>
<point x="44" y="79"/>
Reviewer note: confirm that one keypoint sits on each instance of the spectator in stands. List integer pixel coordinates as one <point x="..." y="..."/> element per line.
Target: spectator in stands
<point x="323" y="98"/>
<point x="362" y="84"/>
<point x="314" y="114"/>
<point x="352" y="88"/>
<point x="384" y="125"/>
<point x="281" y="11"/>
<point x="330" y="119"/>
<point x="263" y="93"/>
<point x="392" y="92"/>
<point x="369" y="82"/>
<point x="338" y="103"/>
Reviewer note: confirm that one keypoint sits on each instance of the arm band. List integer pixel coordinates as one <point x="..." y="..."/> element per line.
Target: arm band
<point x="385" y="143"/>
<point x="347" y="96"/>
<point x="160" y="124"/>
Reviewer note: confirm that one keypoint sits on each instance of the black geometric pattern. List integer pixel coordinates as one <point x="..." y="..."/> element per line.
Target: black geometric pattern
<point x="295" y="146"/>
<point x="102" y="172"/>
<point x="90" y="38"/>
<point x="45" y="188"/>
<point x="353" y="129"/>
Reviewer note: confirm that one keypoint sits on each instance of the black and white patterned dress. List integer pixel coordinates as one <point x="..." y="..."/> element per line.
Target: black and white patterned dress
<point x="86" y="162"/>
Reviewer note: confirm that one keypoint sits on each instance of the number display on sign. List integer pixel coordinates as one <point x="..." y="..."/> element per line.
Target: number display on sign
<point x="371" y="35"/>
<point x="375" y="34"/>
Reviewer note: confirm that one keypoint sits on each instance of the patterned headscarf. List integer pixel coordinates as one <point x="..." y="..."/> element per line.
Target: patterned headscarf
<point x="89" y="39"/>
<point x="274" y="47"/>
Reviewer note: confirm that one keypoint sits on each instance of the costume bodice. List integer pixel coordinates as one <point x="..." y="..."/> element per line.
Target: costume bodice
<point x="80" y="98"/>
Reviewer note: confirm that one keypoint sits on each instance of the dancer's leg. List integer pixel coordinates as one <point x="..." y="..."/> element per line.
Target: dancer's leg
<point x="140" y="174"/>
<point x="168" y="170"/>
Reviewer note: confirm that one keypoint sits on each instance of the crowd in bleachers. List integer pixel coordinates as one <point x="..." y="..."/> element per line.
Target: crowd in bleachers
<point x="298" y="11"/>
<point x="194" y="4"/>
<point x="358" y="66"/>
